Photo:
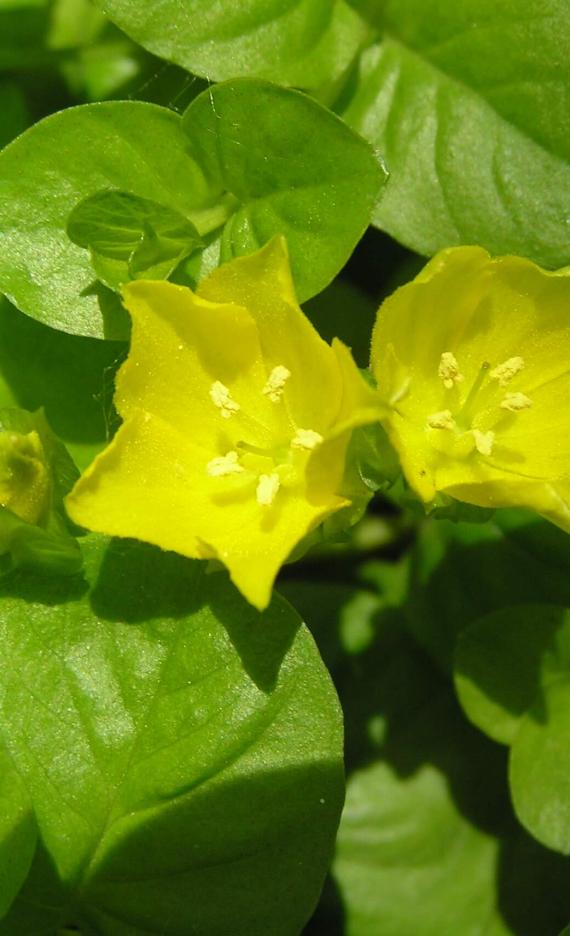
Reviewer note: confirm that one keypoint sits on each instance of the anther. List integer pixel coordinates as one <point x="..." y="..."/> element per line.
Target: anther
<point x="306" y="439"/>
<point x="514" y="402"/>
<point x="222" y="398"/>
<point x="442" y="420"/>
<point x="448" y="370"/>
<point x="267" y="488"/>
<point x="505" y="372"/>
<point x="224" y="465"/>
<point x="276" y="383"/>
<point x="484" y="441"/>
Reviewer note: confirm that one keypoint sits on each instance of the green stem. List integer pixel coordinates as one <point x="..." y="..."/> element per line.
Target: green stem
<point x="210" y="219"/>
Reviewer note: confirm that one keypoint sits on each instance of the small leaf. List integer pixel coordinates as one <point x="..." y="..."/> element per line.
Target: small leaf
<point x="504" y="660"/>
<point x="145" y="238"/>
<point x="462" y="571"/>
<point x="540" y="767"/>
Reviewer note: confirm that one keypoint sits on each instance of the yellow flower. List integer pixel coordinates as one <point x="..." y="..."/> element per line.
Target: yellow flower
<point x="236" y="415"/>
<point x="474" y="358"/>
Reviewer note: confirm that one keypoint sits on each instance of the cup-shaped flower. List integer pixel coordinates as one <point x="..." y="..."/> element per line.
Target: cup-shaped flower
<point x="237" y="417"/>
<point x="473" y="358"/>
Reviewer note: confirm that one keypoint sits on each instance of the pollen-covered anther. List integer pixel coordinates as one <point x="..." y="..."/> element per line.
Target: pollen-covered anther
<point x="267" y="487"/>
<point x="505" y="372"/>
<point x="276" y="381"/>
<point x="306" y="439"/>
<point x="224" y="465"/>
<point x="514" y="402"/>
<point x="442" y="420"/>
<point x="484" y="441"/>
<point x="448" y="370"/>
<point x="222" y="398"/>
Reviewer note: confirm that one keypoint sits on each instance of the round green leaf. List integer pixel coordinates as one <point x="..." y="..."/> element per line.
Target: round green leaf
<point x="296" y="169"/>
<point x="468" y="103"/>
<point x="502" y="661"/>
<point x="298" y="42"/>
<point x="462" y="571"/>
<point x="182" y="752"/>
<point x="57" y="163"/>
<point x="540" y="767"/>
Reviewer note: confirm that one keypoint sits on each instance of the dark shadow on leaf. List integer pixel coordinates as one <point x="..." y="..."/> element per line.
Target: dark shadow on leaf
<point x="400" y="709"/>
<point x="43" y="904"/>
<point x="261" y="639"/>
<point x="233" y="857"/>
<point x="481" y="569"/>
<point x="70" y="376"/>
<point x="42" y="588"/>
<point x="138" y="582"/>
<point x="534" y="897"/>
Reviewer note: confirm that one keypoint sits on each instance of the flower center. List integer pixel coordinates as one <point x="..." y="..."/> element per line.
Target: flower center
<point x="470" y="423"/>
<point x="266" y="468"/>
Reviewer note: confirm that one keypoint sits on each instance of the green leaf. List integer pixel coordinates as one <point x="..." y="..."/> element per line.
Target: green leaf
<point x="298" y="42"/>
<point x="504" y="660"/>
<point x="426" y="836"/>
<point x="540" y="767"/>
<point x="183" y="752"/>
<point x="54" y="165"/>
<point x="467" y="102"/>
<point x="461" y="571"/>
<point x="513" y="680"/>
<point x="143" y="238"/>
<point x="17" y="833"/>
<point x="70" y="377"/>
<point x="296" y="170"/>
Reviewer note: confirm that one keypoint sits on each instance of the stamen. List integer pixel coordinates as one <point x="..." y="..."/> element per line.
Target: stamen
<point x="276" y="383"/>
<point x="224" y="465"/>
<point x="505" y="372"/>
<point x="514" y="402"/>
<point x="306" y="439"/>
<point x="267" y="488"/>
<point x="484" y="441"/>
<point x="222" y="398"/>
<point x="443" y="420"/>
<point x="448" y="370"/>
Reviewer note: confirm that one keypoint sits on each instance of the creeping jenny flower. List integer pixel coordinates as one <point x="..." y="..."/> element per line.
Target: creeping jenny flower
<point x="474" y="359"/>
<point x="237" y="417"/>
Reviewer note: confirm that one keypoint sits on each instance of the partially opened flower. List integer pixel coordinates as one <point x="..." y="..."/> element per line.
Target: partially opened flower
<point x="237" y="416"/>
<point x="474" y="359"/>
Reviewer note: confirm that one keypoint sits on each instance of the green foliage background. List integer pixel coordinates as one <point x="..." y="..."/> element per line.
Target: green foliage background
<point x="171" y="761"/>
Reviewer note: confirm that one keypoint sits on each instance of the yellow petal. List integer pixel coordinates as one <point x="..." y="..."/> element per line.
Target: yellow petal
<point x="262" y="283"/>
<point x="182" y="346"/>
<point x="152" y="483"/>
<point x="485" y="313"/>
